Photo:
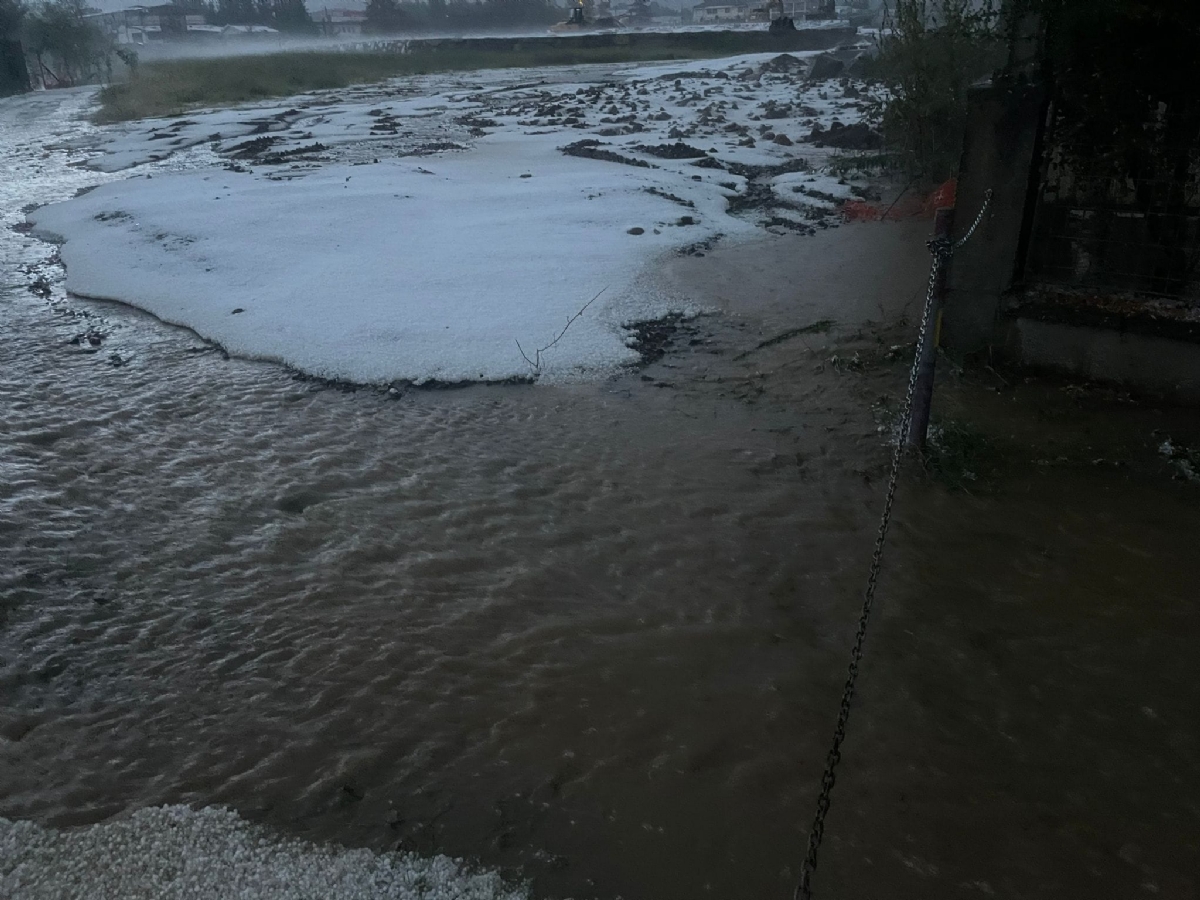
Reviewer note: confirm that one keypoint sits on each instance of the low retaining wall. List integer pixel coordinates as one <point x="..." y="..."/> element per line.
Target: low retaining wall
<point x="714" y="42"/>
<point x="1145" y="362"/>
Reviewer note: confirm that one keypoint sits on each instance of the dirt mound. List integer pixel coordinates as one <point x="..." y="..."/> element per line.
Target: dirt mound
<point x="783" y="64"/>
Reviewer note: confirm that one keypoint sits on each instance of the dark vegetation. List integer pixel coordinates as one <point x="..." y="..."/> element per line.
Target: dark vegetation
<point x="1125" y="73"/>
<point x="71" y="49"/>
<point x="1120" y="68"/>
<point x="391" y="16"/>
<point x="168" y="88"/>
<point x="66" y="48"/>
<point x="935" y="50"/>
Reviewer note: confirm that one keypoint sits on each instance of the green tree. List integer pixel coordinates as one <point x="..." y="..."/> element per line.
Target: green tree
<point x="12" y="14"/>
<point x="1123" y="72"/>
<point x="384" y="16"/>
<point x="930" y="53"/>
<point x="237" y="12"/>
<point x="291" y="16"/>
<point x="69" y="49"/>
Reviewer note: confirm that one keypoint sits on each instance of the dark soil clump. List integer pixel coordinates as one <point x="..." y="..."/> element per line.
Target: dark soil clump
<point x="653" y="338"/>
<point x="788" y="225"/>
<point x="593" y="149"/>
<point x="435" y="147"/>
<point x="251" y="148"/>
<point x="283" y="156"/>
<point x="659" y="192"/>
<point x="859" y="136"/>
<point x="677" y="150"/>
<point x="699" y="248"/>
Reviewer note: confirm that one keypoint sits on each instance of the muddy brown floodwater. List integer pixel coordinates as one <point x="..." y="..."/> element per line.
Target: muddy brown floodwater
<point x="595" y="634"/>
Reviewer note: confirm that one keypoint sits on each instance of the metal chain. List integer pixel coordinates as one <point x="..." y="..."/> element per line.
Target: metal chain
<point x="942" y="249"/>
<point x="987" y="201"/>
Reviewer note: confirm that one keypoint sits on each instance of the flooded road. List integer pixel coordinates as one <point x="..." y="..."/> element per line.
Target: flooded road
<point x="592" y="634"/>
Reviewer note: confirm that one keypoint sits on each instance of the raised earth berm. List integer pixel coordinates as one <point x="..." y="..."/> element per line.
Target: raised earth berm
<point x="826" y="66"/>
<point x="715" y="42"/>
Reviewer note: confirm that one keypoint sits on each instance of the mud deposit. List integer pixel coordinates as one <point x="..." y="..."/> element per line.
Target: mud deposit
<point x="594" y="635"/>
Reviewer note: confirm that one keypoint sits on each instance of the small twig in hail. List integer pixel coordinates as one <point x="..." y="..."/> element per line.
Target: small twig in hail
<point x="536" y="362"/>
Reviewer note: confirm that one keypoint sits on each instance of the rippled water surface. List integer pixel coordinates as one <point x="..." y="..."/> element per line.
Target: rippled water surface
<point x="592" y="633"/>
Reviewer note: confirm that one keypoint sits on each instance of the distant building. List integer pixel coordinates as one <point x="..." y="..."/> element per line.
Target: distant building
<point x="720" y="11"/>
<point x="141" y="25"/>
<point x="336" y="22"/>
<point x="147" y="24"/>
<point x="800" y="10"/>
<point x="238" y="30"/>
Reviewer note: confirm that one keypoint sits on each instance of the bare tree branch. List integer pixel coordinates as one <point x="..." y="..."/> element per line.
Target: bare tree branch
<point x="536" y="362"/>
<point x="526" y="358"/>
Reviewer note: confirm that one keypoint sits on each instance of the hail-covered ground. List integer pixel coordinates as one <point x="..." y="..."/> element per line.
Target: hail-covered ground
<point x="451" y="228"/>
<point x="176" y="853"/>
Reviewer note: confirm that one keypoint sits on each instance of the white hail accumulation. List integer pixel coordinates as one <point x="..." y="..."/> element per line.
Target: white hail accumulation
<point x="176" y="853"/>
<point x="437" y="231"/>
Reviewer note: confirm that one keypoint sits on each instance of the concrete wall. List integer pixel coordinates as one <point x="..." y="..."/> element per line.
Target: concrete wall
<point x="1004" y="127"/>
<point x="1145" y="362"/>
<point x="1002" y="151"/>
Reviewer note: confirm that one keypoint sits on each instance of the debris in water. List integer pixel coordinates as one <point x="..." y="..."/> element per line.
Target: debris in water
<point x="1184" y="460"/>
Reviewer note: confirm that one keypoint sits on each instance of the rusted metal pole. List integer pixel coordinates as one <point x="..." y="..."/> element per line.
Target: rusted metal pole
<point x="918" y="424"/>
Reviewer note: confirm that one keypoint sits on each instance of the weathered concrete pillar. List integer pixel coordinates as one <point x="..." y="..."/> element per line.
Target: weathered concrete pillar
<point x="1004" y="127"/>
<point x="14" y="76"/>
